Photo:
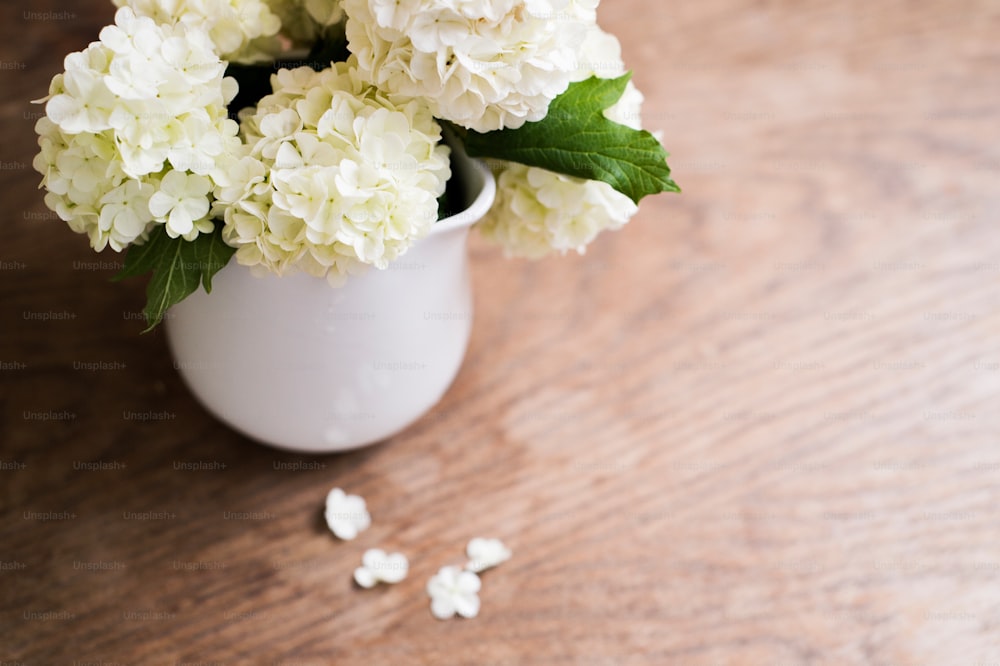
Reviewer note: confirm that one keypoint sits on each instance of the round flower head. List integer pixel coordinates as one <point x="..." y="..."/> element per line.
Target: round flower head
<point x="537" y="211"/>
<point x="483" y="64"/>
<point x="240" y="30"/>
<point x="135" y="130"/>
<point x="339" y="176"/>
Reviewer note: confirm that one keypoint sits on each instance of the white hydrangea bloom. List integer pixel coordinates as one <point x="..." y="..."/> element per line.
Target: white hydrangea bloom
<point x="537" y="211"/>
<point x="241" y="30"/>
<point x="339" y="176"/>
<point x="483" y="64"/>
<point x="127" y="123"/>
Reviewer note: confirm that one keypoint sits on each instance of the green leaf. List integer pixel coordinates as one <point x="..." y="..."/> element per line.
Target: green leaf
<point x="141" y="259"/>
<point x="213" y="255"/>
<point x="178" y="267"/>
<point x="175" y="277"/>
<point x="576" y="139"/>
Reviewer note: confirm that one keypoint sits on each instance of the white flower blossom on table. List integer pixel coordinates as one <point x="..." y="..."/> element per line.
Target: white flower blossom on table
<point x="377" y="566"/>
<point x="240" y="30"/>
<point x="127" y="123"/>
<point x="340" y="176"/>
<point x="346" y="515"/>
<point x="454" y="591"/>
<point x="485" y="554"/>
<point x="536" y="211"/>
<point x="483" y="64"/>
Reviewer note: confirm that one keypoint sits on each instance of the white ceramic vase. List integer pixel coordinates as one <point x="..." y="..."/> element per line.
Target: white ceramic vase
<point x="298" y="364"/>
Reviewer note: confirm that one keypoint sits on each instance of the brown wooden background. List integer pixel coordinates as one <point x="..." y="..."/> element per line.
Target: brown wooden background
<point x="757" y="426"/>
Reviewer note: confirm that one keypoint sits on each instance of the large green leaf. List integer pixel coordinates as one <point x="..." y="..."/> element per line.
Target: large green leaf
<point x="577" y="140"/>
<point x="178" y="267"/>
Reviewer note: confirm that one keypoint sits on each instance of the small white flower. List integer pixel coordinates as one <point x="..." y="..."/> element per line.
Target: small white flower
<point x="346" y="515"/>
<point x="379" y="567"/>
<point x="181" y="201"/>
<point x="454" y="591"/>
<point x="83" y="105"/>
<point x="124" y="213"/>
<point x="129" y="118"/>
<point x="485" y="554"/>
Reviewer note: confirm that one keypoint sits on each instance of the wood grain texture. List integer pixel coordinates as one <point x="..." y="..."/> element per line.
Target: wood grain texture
<point x="759" y="425"/>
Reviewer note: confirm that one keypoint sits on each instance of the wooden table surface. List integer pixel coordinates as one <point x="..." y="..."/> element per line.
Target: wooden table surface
<point x="759" y="425"/>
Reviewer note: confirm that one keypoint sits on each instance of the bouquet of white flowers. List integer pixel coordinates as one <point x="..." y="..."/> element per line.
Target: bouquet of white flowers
<point x="189" y="134"/>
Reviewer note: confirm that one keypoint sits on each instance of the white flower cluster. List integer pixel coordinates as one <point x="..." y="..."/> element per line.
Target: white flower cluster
<point x="305" y="21"/>
<point x="453" y="590"/>
<point x="483" y="64"/>
<point x="338" y="176"/>
<point x="347" y="516"/>
<point x="537" y="211"/>
<point x="335" y="170"/>
<point x="241" y="30"/>
<point x="135" y="133"/>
